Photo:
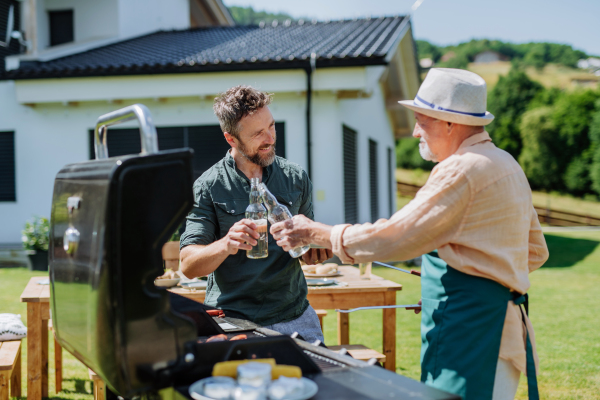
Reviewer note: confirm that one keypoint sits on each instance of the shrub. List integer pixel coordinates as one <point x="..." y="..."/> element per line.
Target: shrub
<point x="36" y="234"/>
<point x="407" y="155"/>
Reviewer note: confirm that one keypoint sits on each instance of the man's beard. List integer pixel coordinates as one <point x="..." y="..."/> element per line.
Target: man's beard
<point x="426" y="152"/>
<point x="257" y="158"/>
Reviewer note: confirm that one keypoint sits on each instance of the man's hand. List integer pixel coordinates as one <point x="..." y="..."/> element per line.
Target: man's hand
<point x="316" y="256"/>
<point x="293" y="232"/>
<point x="418" y="310"/>
<point x="241" y="236"/>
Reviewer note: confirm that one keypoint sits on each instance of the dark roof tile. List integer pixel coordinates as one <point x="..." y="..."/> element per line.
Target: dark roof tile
<point x="282" y="45"/>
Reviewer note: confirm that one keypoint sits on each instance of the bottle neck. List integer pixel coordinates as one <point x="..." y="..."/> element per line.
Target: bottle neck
<point x="268" y="198"/>
<point x="255" y="196"/>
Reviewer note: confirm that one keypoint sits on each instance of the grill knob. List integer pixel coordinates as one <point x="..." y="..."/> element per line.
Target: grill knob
<point x="71" y="240"/>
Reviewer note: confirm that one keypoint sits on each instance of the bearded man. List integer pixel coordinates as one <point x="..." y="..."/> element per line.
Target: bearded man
<point x="271" y="291"/>
<point x="475" y="223"/>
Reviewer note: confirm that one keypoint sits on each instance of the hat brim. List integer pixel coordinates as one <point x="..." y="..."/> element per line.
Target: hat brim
<point x="449" y="116"/>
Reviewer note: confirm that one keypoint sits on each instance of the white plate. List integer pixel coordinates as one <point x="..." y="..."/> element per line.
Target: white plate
<point x="309" y="390"/>
<point x="336" y="273"/>
<point x="194" y="285"/>
<point x="166" y="282"/>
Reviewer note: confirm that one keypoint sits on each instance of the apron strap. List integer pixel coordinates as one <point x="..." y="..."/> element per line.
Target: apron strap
<point x="532" y="386"/>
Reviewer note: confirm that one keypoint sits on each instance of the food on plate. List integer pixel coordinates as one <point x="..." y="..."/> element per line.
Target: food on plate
<point x="169" y="274"/>
<point x="285" y="388"/>
<point x="309" y="269"/>
<point x="329" y="268"/>
<point x="229" y="368"/>
<point x="289" y="371"/>
<point x="239" y="337"/>
<point x="217" y="338"/>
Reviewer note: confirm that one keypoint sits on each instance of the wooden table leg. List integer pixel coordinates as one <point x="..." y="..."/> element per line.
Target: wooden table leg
<point x="44" y="358"/>
<point x="15" y="380"/>
<point x="34" y="351"/>
<point x="389" y="332"/>
<point x="58" y="366"/>
<point x="343" y="328"/>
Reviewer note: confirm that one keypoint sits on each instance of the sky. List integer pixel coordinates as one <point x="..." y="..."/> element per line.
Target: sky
<point x="444" y="22"/>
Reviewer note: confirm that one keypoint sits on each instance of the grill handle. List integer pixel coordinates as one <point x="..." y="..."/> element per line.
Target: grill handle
<point x="137" y="111"/>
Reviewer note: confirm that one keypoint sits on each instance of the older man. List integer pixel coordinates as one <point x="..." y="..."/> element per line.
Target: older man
<point x="270" y="291"/>
<point x="476" y="210"/>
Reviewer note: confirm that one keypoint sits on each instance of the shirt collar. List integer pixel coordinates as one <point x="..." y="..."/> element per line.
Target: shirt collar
<point x="229" y="160"/>
<point x="476" y="138"/>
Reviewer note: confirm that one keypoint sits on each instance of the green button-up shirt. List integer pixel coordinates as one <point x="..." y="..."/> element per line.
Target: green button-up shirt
<point x="266" y="291"/>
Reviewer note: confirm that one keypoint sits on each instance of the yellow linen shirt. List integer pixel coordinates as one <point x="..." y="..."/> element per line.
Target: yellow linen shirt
<point x="476" y="209"/>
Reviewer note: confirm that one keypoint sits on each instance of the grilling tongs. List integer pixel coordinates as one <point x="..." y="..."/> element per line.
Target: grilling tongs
<point x="406" y="306"/>
<point x="411" y="272"/>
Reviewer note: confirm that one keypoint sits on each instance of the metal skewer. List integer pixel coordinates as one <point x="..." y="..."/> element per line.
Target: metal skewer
<point x="407" y="306"/>
<point x="412" y="271"/>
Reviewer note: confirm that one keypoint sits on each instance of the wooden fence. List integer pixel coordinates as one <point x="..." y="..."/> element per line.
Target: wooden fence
<point x="546" y="215"/>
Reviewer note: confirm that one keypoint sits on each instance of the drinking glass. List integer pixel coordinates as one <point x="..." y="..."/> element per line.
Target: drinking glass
<point x="364" y="270"/>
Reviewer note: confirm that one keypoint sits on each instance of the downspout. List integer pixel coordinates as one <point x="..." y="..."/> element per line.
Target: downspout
<point x="309" y="71"/>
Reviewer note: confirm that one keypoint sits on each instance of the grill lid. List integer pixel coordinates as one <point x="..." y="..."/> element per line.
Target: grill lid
<point x="110" y="218"/>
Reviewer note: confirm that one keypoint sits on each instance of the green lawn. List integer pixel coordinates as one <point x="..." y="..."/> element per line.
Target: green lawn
<point x="564" y="312"/>
<point x="76" y="383"/>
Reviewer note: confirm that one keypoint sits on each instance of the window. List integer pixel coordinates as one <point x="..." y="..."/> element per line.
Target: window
<point x="350" y="178"/>
<point x="392" y="192"/>
<point x="61" y="27"/>
<point x="207" y="141"/>
<point x="7" y="167"/>
<point x="373" y="177"/>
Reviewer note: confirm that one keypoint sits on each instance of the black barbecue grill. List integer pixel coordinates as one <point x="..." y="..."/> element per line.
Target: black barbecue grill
<point x="110" y="218"/>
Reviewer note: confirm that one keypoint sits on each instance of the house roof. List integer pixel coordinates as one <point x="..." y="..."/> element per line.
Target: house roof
<point x="275" y="46"/>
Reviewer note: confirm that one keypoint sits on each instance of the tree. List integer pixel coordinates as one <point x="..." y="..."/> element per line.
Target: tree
<point x="595" y="139"/>
<point x="538" y="132"/>
<point x="508" y="101"/>
<point x="247" y="16"/>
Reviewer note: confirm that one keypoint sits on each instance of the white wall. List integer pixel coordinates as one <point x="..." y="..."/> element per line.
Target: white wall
<point x="137" y="17"/>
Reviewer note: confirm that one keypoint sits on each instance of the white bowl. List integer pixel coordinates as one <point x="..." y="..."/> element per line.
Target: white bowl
<point x="166" y="282"/>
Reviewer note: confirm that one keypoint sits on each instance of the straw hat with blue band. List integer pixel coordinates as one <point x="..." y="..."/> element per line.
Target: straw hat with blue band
<point x="452" y="95"/>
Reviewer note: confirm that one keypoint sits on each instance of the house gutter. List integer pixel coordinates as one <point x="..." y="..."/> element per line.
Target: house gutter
<point x="309" y="71"/>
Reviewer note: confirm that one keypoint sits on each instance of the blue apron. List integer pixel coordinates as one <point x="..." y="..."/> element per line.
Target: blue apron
<point x="461" y="329"/>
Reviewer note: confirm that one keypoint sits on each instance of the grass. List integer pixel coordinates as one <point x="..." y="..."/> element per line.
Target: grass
<point x="555" y="201"/>
<point x="76" y="383"/>
<point x="564" y="311"/>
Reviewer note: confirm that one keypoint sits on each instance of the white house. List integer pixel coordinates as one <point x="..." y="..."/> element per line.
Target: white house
<point x="86" y="58"/>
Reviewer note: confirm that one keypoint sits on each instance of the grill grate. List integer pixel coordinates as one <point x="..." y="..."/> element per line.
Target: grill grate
<point x="324" y="362"/>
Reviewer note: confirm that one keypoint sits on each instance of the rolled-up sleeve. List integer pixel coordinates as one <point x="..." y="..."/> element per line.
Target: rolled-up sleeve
<point x="430" y="220"/>
<point x="201" y="223"/>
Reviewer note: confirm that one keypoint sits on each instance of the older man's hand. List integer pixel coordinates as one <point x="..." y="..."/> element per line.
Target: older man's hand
<point x="316" y="256"/>
<point x="293" y="232"/>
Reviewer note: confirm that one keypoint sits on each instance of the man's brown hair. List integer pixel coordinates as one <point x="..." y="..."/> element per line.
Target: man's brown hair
<point x="239" y="101"/>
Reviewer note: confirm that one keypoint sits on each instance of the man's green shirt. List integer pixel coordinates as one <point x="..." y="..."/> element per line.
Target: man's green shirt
<point x="268" y="290"/>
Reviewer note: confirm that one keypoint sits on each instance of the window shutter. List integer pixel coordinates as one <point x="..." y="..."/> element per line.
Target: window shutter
<point x="7" y="167"/>
<point x="373" y="178"/>
<point x="350" y="160"/>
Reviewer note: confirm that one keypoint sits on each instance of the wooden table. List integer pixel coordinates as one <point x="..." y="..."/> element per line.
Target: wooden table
<point x="37" y="298"/>
<point x="358" y="293"/>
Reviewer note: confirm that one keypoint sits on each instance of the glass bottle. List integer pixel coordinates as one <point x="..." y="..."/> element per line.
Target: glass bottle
<point x="278" y="213"/>
<point x="258" y="214"/>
